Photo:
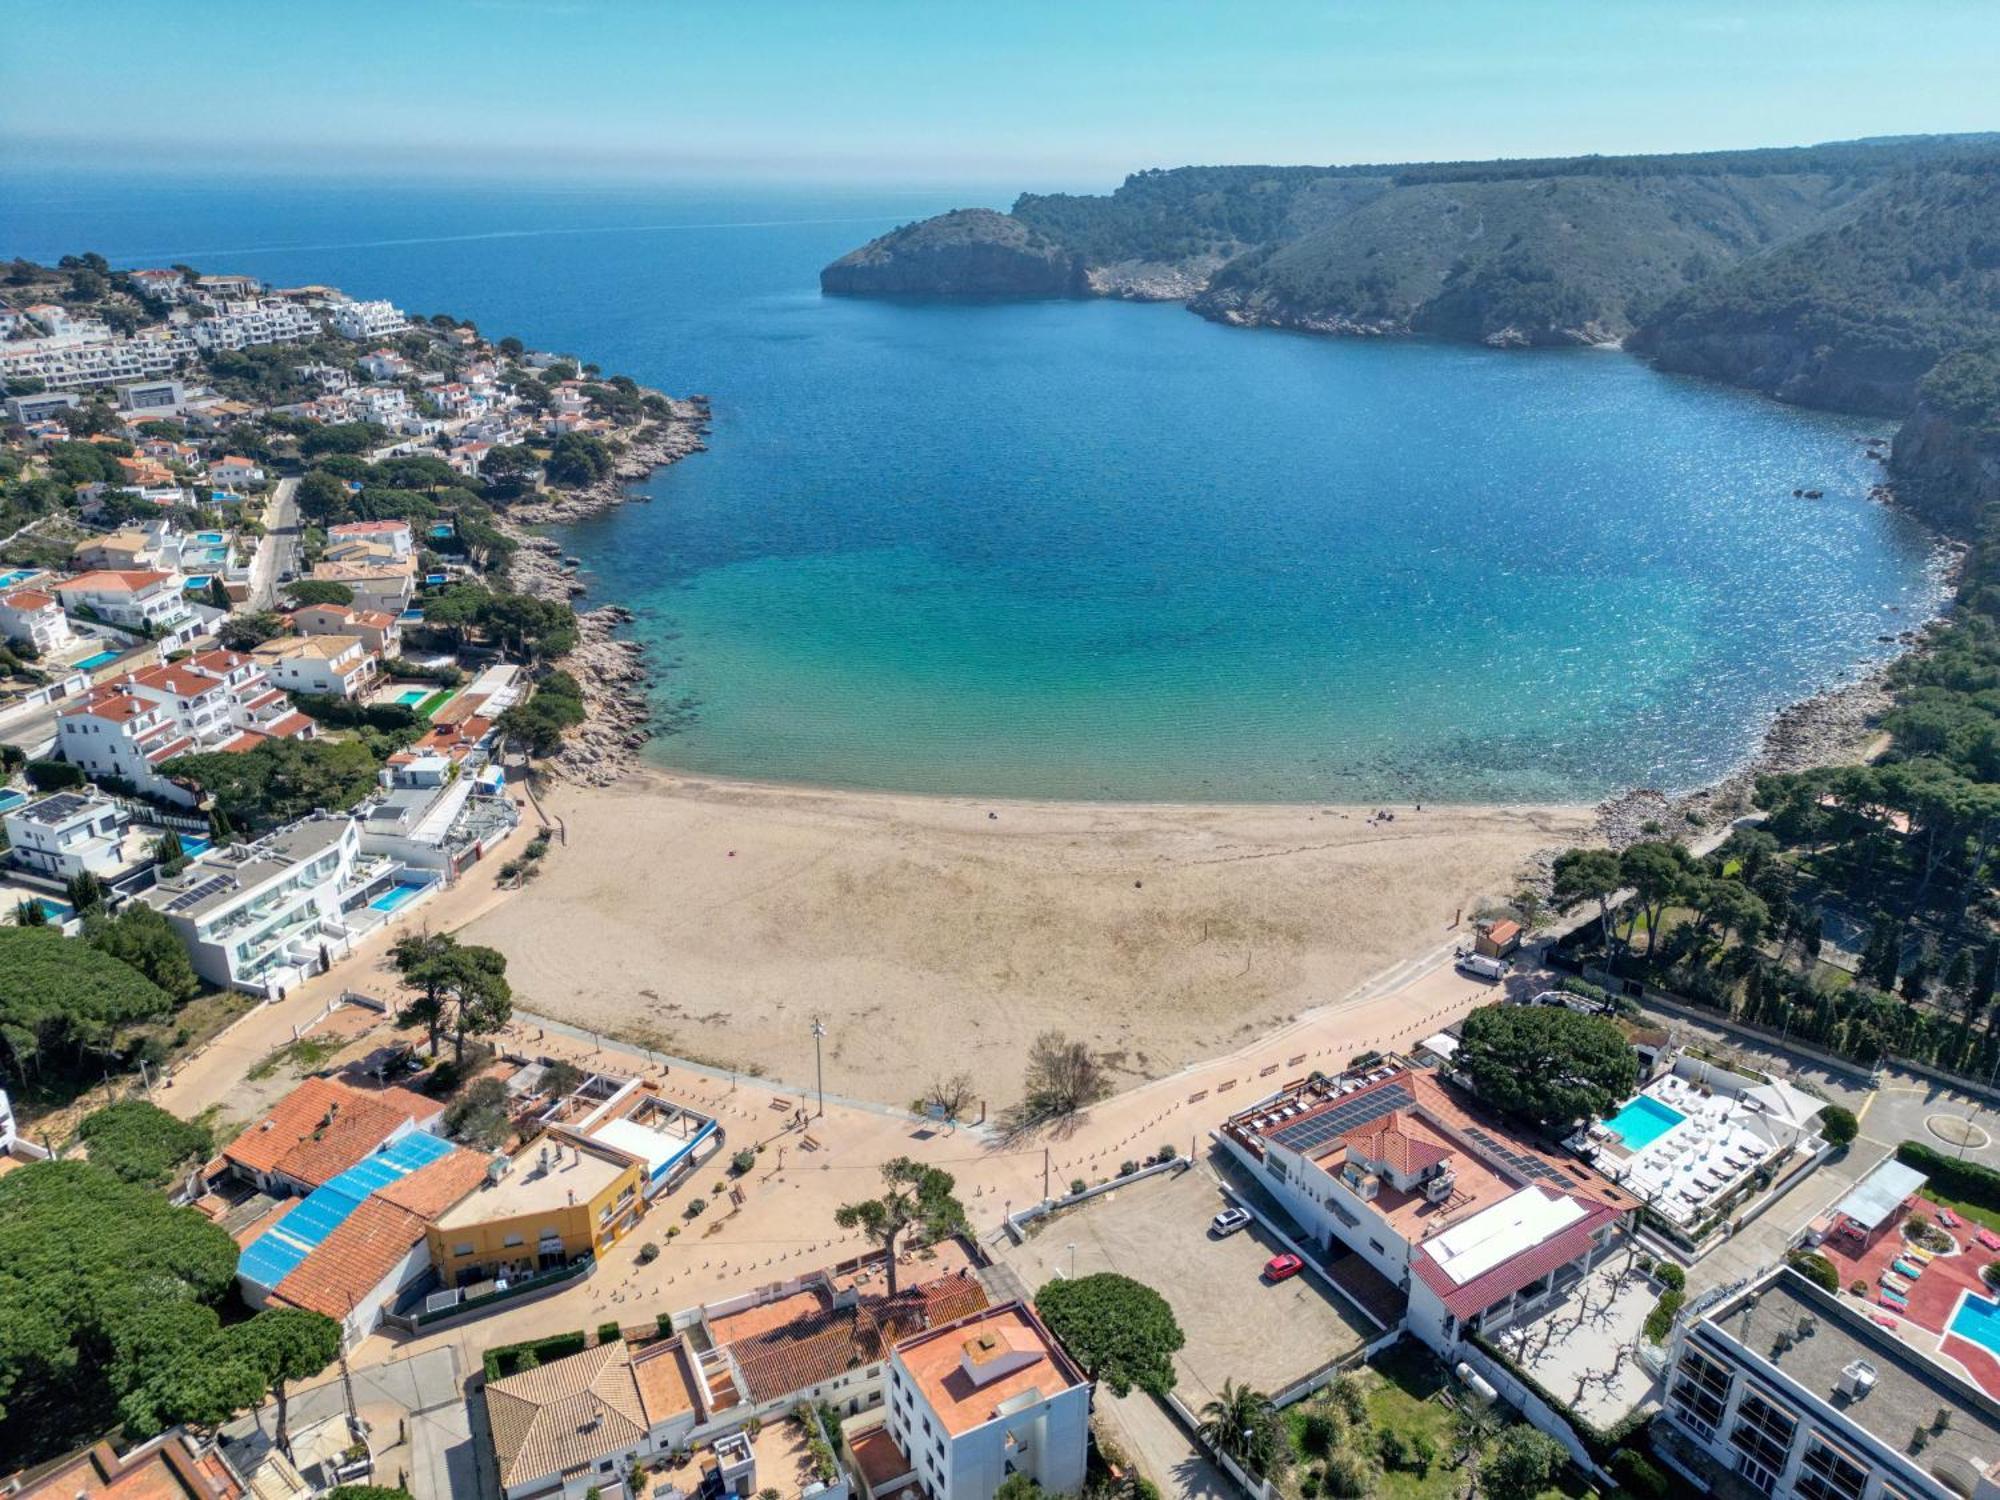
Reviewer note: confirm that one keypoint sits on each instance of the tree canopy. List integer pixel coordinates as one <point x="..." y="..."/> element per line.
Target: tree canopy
<point x="280" y="781"/>
<point x="1545" y="1063"/>
<point x="461" y="988"/>
<point x="142" y="1143"/>
<point x="916" y="1197"/>
<point x="102" y="1284"/>
<point x="1121" y="1331"/>
<point x="67" y="1006"/>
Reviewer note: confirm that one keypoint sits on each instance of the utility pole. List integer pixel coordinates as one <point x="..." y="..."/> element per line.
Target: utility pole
<point x="819" y="1071"/>
<point x="1045" y="1174"/>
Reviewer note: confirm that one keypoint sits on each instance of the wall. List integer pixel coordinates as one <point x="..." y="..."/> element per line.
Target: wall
<point x="1531" y="1406"/>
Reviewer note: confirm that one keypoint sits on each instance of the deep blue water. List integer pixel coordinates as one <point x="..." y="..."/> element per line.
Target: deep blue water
<point x="1106" y="550"/>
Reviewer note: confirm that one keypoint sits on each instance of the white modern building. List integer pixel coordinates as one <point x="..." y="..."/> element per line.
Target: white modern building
<point x="67" y="834"/>
<point x="986" y="1397"/>
<point x="135" y="724"/>
<point x="248" y="324"/>
<point x="395" y="535"/>
<point x="150" y="398"/>
<point x="434" y="815"/>
<point x="260" y="917"/>
<point x="337" y="666"/>
<point x="143" y="600"/>
<point x="368" y="320"/>
<point x="1794" y="1392"/>
<point x="65" y="363"/>
<point x="33" y="615"/>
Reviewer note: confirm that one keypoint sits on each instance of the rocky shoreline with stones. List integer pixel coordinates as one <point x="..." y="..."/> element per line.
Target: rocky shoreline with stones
<point x="609" y="669"/>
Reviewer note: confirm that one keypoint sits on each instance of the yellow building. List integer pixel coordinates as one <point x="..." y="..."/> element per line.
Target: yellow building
<point x="553" y="1202"/>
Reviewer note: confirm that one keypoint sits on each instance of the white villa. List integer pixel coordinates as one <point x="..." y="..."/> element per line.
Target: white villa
<point x="34" y="615"/>
<point x="142" y="600"/>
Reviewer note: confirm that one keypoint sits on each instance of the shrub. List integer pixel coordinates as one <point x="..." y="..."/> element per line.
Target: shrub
<point x="1348" y="1476"/>
<point x="1963" y="1181"/>
<point x="743" y="1161"/>
<point x="511" y="1359"/>
<point x="1166" y="1154"/>
<point x="1990" y="1273"/>
<point x="665" y="1323"/>
<point x="609" y="1333"/>
<point x="648" y="1253"/>
<point x="1127" y="1168"/>
<point x="1838" y="1126"/>
<point x="1671" y="1275"/>
<point x="695" y="1206"/>
<point x="1078" y="1185"/>
<point x="53" y="775"/>
<point x="1393" y="1448"/>
<point x="1316" y="1434"/>
<point x="1859" y="1288"/>
<point x="1660" y="1321"/>
<point x="1638" y="1475"/>
<point x="1817" y="1269"/>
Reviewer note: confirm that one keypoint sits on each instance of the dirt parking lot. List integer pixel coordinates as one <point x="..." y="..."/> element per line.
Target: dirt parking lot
<point x="1239" y="1326"/>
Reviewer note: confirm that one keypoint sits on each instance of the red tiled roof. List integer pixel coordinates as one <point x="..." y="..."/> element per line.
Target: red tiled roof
<point x="322" y="1127"/>
<point x="27" y="599"/>
<point x="168" y="1468"/>
<point x="290" y="725"/>
<point x="1519" y="1270"/>
<point x="1398" y="1141"/>
<point x="110" y="580"/>
<point x="436" y="1186"/>
<point x="357" y="1257"/>
<point x="809" y="1350"/>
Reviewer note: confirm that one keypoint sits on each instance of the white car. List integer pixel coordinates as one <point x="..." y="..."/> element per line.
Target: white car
<point x="1228" y="1221"/>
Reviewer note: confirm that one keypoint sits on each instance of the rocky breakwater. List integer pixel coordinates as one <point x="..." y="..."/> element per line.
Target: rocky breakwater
<point x="970" y="252"/>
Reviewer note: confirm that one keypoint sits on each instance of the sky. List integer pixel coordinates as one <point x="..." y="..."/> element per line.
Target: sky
<point x="1021" y="92"/>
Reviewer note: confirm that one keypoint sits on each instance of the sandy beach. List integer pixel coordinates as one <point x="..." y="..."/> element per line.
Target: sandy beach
<point x="938" y="935"/>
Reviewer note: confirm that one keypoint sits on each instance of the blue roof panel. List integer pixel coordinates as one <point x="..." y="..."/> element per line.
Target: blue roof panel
<point x="275" y="1253"/>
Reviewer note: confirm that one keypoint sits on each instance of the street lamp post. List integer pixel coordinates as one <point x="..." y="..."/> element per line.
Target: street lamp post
<point x="819" y="1072"/>
<point x="1072" y="1259"/>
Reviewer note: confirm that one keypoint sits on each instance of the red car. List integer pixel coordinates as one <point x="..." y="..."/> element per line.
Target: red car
<point x="1281" y="1267"/>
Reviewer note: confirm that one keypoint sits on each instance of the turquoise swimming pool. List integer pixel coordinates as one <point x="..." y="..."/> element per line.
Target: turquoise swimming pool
<point x="411" y="697"/>
<point x="102" y="658"/>
<point x="19" y="575"/>
<point x="400" y="894"/>
<point x="1978" y="1319"/>
<point x="1643" y="1121"/>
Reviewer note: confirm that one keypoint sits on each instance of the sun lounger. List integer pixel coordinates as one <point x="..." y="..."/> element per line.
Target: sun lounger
<point x="1895" y="1284"/>
<point x="1947" y="1218"/>
<point x="1884" y="1321"/>
<point x="1988" y="1238"/>
<point x="1903" y="1268"/>
<point x="1890" y="1299"/>
<point x="1917" y="1257"/>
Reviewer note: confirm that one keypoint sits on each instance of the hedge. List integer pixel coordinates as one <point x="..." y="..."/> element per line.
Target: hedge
<point x="504" y="1360"/>
<point x="1817" y="1269"/>
<point x="1964" y="1181"/>
<point x="1639" y="1475"/>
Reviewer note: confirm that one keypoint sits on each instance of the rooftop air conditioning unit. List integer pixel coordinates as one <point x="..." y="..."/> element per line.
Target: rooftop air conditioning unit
<point x="1857" y="1379"/>
<point x="1437" y="1189"/>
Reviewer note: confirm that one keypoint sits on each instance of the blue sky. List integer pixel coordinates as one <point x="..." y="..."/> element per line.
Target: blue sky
<point x="1016" y="91"/>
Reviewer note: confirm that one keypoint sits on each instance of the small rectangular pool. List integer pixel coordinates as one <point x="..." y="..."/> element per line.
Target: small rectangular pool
<point x="1643" y="1121"/>
<point x="411" y="697"/>
<point x="101" y="659"/>
<point x="194" y="845"/>
<point x="213" y="538"/>
<point x="58" y="912"/>
<point x="11" y="799"/>
<point x="1978" y="1319"/>
<point x="19" y="575"/>
<point x="199" y="581"/>
<point x="401" y="894"/>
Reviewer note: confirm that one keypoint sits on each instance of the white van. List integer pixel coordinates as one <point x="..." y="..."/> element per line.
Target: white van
<point x="1479" y="966"/>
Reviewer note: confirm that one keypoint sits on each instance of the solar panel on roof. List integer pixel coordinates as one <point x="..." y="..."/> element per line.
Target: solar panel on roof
<point x="1316" y="1130"/>
<point x="200" y="893"/>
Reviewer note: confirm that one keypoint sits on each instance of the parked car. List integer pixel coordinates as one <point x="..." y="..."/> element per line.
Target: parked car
<point x="1479" y="966"/>
<point x="1228" y="1221"/>
<point x="1283" y="1267"/>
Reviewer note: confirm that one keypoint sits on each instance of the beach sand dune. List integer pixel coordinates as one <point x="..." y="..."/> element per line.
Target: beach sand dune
<point x="940" y="935"/>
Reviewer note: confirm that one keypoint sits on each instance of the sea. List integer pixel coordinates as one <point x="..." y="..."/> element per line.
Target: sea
<point x="1109" y="550"/>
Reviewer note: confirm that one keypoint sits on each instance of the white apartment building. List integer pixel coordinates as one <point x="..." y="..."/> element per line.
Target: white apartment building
<point x="387" y="404"/>
<point x="1794" y="1392"/>
<point x="431" y="815"/>
<point x="27" y="410"/>
<point x="244" y="325"/>
<point x="395" y="535"/>
<point x="162" y="286"/>
<point x="133" y="725"/>
<point x="988" y="1396"/>
<point x="67" y="834"/>
<point x="235" y="469"/>
<point x="337" y="666"/>
<point x="69" y="364"/>
<point x="368" y="320"/>
<point x="256" y="916"/>
<point x="384" y="365"/>
<point x="136" y="600"/>
<point x="34" y="616"/>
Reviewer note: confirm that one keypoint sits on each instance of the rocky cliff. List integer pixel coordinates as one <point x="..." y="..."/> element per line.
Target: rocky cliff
<point x="1945" y="463"/>
<point x="970" y="252"/>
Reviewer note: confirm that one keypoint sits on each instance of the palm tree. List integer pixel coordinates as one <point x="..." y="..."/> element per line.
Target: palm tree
<point x="1241" y="1422"/>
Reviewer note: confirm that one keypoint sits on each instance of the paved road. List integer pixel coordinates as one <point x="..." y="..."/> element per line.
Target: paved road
<point x="278" y="552"/>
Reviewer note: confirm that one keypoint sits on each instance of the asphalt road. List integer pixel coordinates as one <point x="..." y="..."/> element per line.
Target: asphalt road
<point x="278" y="552"/>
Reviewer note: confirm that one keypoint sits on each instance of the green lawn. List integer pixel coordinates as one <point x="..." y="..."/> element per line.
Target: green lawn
<point x="1399" y="1387"/>
<point x="435" y="702"/>
<point x="1972" y="1213"/>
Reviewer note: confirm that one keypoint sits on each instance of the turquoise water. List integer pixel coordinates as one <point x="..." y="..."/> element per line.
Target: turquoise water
<point x="1106" y="549"/>
<point x="398" y="895"/>
<point x="1643" y="1121"/>
<point x="1978" y="1319"/>
<point x="411" y="697"/>
<point x="16" y="575"/>
<point x="97" y="659"/>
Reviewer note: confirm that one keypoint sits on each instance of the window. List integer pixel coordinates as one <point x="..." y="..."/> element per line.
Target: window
<point x="461" y="1249"/>
<point x="1827" y="1475"/>
<point x="1700" y="1391"/>
<point x="512" y="1241"/>
<point x="1763" y="1434"/>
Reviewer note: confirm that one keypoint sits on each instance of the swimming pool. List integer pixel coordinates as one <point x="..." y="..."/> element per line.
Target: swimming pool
<point x="58" y="912"/>
<point x="411" y="697"/>
<point x="1978" y="1319"/>
<point x="19" y="575"/>
<point x="11" y="799"/>
<point x="199" y="581"/>
<point x="214" y="537"/>
<point x="400" y="894"/>
<point x="102" y="658"/>
<point x="1643" y="1121"/>
<point x="194" y="845"/>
